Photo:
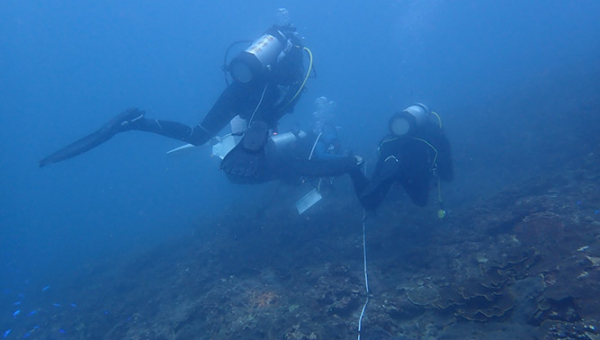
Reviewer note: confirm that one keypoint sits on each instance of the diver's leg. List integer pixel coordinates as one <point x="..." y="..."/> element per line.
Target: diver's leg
<point x="417" y="190"/>
<point x="222" y="112"/>
<point x="193" y="135"/>
<point x="372" y="196"/>
<point x="133" y="119"/>
<point x="229" y="104"/>
<point x="385" y="175"/>
<point x="327" y="168"/>
<point x="359" y="180"/>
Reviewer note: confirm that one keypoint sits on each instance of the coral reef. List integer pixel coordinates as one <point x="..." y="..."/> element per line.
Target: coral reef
<point x="524" y="263"/>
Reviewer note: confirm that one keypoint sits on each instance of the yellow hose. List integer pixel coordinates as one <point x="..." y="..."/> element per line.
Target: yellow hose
<point x="310" y="64"/>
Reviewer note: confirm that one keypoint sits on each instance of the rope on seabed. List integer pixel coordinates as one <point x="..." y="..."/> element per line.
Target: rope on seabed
<point x="362" y="313"/>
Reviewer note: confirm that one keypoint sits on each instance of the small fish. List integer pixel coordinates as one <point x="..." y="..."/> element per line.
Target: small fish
<point x="32" y="313"/>
<point x="17" y="313"/>
<point x="45" y="288"/>
<point x="17" y="303"/>
<point x="73" y="305"/>
<point x="62" y="331"/>
<point x="6" y="333"/>
<point x="584" y="248"/>
<point x="27" y="335"/>
<point x="56" y="304"/>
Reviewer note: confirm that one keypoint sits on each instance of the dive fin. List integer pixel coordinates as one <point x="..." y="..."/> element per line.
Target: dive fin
<point x="244" y="164"/>
<point x="124" y="121"/>
<point x="82" y="145"/>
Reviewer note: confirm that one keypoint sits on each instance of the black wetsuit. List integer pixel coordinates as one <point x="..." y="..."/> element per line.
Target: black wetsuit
<point x="265" y="99"/>
<point x="311" y="156"/>
<point x="413" y="161"/>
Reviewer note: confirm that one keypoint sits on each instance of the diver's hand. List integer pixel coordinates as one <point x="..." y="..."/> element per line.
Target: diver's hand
<point x="359" y="160"/>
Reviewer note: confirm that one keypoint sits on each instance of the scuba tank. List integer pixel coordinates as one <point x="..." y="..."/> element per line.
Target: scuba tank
<point x="256" y="60"/>
<point x="409" y="119"/>
<point x="282" y="142"/>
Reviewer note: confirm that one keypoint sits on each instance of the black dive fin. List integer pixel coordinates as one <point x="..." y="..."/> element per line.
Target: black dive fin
<point x="84" y="144"/>
<point x="243" y="166"/>
<point x="122" y="122"/>
<point x="246" y="162"/>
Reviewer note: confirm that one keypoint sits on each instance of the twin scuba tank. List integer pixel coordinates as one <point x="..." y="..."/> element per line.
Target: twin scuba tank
<point x="255" y="61"/>
<point x="276" y="144"/>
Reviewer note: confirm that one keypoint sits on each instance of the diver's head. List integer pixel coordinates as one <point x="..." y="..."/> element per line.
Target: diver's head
<point x="410" y="119"/>
<point x="283" y="17"/>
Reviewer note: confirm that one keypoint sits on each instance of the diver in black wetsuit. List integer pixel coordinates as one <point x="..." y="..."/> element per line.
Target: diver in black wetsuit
<point x="416" y="154"/>
<point x="268" y="79"/>
<point x="292" y="156"/>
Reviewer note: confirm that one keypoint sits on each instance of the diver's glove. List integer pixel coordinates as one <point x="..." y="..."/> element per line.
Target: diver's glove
<point x="359" y="160"/>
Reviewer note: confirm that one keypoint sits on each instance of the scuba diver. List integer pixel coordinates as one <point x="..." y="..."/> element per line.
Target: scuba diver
<point x="299" y="157"/>
<point x="295" y="155"/>
<point x="268" y="79"/>
<point x="415" y="154"/>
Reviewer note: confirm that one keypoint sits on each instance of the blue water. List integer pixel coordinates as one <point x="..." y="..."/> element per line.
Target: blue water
<point x="66" y="67"/>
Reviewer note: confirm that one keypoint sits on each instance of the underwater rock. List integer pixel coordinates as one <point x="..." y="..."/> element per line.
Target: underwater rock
<point x="422" y="295"/>
<point x="541" y="228"/>
<point x="550" y="309"/>
<point x="478" y="309"/>
<point x="579" y="330"/>
<point x="401" y="308"/>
